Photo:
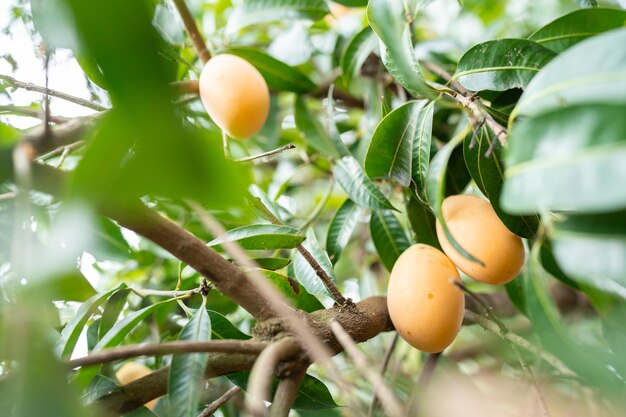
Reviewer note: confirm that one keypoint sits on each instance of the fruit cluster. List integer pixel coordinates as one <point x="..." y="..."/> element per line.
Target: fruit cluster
<point x="425" y="305"/>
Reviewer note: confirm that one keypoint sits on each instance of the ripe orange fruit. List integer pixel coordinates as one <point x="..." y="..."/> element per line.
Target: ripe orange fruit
<point x="132" y="371"/>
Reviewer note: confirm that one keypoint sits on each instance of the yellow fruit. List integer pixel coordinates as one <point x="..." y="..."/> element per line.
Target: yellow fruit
<point x="235" y="95"/>
<point x="425" y="306"/>
<point x="479" y="231"/>
<point x="132" y="371"/>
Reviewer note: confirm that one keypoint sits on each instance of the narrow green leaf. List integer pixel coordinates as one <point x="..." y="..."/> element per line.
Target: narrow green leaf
<point x="314" y="133"/>
<point x="577" y="26"/>
<point x="356" y="52"/>
<point x="121" y="329"/>
<point x="72" y="330"/>
<point x="388" y="237"/>
<point x="300" y="298"/>
<point x="305" y="274"/>
<point x="278" y="75"/>
<point x="390" y="154"/>
<point x="261" y="11"/>
<point x="222" y="329"/>
<point x="388" y="19"/>
<point x="435" y="188"/>
<point x="585" y="144"/>
<point x="593" y="71"/>
<point x="186" y="370"/>
<point x="488" y="174"/>
<point x="422" y="222"/>
<point x="272" y="264"/>
<point x="359" y="187"/>
<point x="261" y="236"/>
<point x="501" y="64"/>
<point x="341" y="227"/>
<point x="112" y="310"/>
<point x="592" y="249"/>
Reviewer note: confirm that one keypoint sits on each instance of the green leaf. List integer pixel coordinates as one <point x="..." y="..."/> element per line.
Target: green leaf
<point x="397" y="136"/>
<point x="261" y="11"/>
<point x="585" y="144"/>
<point x="388" y="19"/>
<point x="186" y="370"/>
<point x="278" y="75"/>
<point x="488" y="174"/>
<point x="312" y="394"/>
<point x="71" y="286"/>
<point x="305" y="274"/>
<point x="314" y="133"/>
<point x="294" y="292"/>
<point x="272" y="264"/>
<point x="120" y="330"/>
<point x="592" y="249"/>
<point x="388" y="237"/>
<point x="340" y="229"/>
<point x="352" y="3"/>
<point x="8" y="134"/>
<point x="435" y="188"/>
<point x="72" y="330"/>
<point x="356" y="52"/>
<point x="222" y="329"/>
<point x="501" y="64"/>
<point x="359" y="188"/>
<point x="593" y="71"/>
<point x="577" y="26"/>
<point x="261" y="236"/>
<point x="110" y="243"/>
<point x="422" y="222"/>
<point x="112" y="310"/>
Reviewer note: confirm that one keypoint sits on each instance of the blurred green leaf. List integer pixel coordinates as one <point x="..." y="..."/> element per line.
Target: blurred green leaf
<point x="389" y="20"/>
<point x="314" y="133"/>
<point x="278" y="75"/>
<point x="589" y="72"/>
<point x="72" y="330"/>
<point x="388" y="236"/>
<point x="300" y="298"/>
<point x="592" y="249"/>
<point x="261" y="236"/>
<point x="356" y="52"/>
<point x="186" y="370"/>
<point x="577" y="26"/>
<point x="359" y="187"/>
<point x="272" y="264"/>
<point x="260" y="11"/>
<point x="488" y="174"/>
<point x="8" y="135"/>
<point x="422" y="222"/>
<point x="222" y="329"/>
<point x="352" y="3"/>
<point x="400" y="141"/>
<point x="110" y="243"/>
<point x="340" y="229"/>
<point x="69" y="286"/>
<point x="581" y="144"/>
<point x="52" y="19"/>
<point x="304" y="272"/>
<point x="112" y="310"/>
<point x="501" y="64"/>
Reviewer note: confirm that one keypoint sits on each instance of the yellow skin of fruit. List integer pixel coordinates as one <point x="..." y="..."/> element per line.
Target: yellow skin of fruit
<point x="235" y="95"/>
<point x="132" y="371"/>
<point x="425" y="306"/>
<point x="477" y="228"/>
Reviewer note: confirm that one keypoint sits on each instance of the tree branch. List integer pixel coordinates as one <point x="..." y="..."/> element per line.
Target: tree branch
<point x="262" y="374"/>
<point x="286" y="394"/>
<point x="30" y="112"/>
<point x="215" y="405"/>
<point x="54" y="93"/>
<point x="266" y="154"/>
<point x="124" y="352"/>
<point x="192" y="30"/>
<point x="387" y="398"/>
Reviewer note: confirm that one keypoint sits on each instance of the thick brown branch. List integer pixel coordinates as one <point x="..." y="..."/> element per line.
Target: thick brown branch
<point x="215" y="405"/>
<point x="192" y="30"/>
<point x="124" y="352"/>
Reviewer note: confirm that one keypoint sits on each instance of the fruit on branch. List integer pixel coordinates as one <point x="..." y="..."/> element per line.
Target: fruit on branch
<point x="132" y="371"/>
<point x="425" y="306"/>
<point x="235" y="95"/>
<point x="479" y="231"/>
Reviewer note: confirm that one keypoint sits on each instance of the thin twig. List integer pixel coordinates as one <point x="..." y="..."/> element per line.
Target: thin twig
<point x="192" y="30"/>
<point x="7" y="196"/>
<point x="262" y="374"/>
<point x="387" y="398"/>
<point x="146" y="292"/>
<point x="319" y="271"/>
<point x="266" y="154"/>
<point x="437" y="70"/>
<point x="215" y="405"/>
<point x="187" y="87"/>
<point x="541" y="402"/>
<point x="54" y="93"/>
<point x="132" y="351"/>
<point x="288" y="388"/>
<point x="383" y="369"/>
<point x="225" y="144"/>
<point x="30" y="112"/>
